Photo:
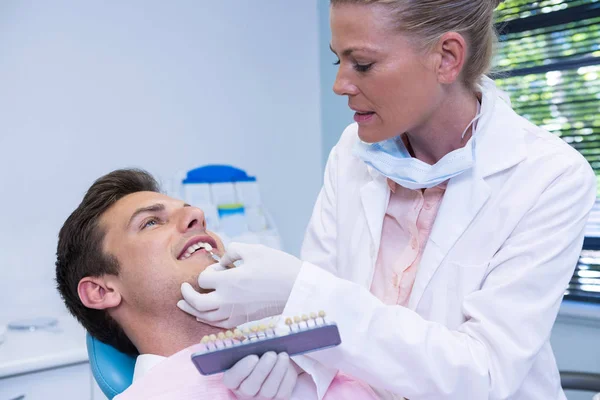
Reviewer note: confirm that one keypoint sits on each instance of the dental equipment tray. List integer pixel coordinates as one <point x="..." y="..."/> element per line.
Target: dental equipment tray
<point x="223" y="351"/>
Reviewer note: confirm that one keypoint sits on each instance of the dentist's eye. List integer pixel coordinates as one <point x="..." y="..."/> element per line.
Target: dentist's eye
<point x="150" y="222"/>
<point x="363" y="67"/>
<point x="337" y="62"/>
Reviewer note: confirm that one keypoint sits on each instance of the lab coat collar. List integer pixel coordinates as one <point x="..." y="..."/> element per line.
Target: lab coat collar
<point x="499" y="143"/>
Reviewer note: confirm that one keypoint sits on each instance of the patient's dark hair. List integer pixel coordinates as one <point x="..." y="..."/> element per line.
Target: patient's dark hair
<point x="79" y="253"/>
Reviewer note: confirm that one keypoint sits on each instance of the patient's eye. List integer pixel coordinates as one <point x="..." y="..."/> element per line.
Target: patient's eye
<point x="150" y="222"/>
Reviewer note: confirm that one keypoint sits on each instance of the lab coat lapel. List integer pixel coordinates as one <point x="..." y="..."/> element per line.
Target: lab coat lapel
<point x="374" y="197"/>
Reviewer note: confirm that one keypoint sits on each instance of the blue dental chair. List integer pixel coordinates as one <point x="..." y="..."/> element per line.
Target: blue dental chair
<point x="112" y="370"/>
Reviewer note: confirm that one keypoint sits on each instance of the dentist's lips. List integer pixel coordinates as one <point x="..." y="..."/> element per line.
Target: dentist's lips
<point x="362" y="115"/>
<point x="358" y="117"/>
<point x="198" y="239"/>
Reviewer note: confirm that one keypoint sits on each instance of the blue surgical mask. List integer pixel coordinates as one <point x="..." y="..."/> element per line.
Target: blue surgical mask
<point x="392" y="159"/>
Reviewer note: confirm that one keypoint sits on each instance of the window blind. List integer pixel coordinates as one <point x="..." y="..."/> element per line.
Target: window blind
<point x="548" y="60"/>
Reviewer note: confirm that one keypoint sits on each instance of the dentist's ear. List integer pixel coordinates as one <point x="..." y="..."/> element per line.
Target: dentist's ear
<point x="98" y="293"/>
<point x="450" y="55"/>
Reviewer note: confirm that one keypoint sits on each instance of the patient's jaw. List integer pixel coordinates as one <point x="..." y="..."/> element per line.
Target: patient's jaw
<point x="152" y="235"/>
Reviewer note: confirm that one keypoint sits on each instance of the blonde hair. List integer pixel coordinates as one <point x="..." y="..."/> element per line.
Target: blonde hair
<point x="427" y="20"/>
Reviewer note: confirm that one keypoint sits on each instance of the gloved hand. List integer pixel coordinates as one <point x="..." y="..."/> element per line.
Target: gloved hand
<point x="257" y="289"/>
<point x="273" y="376"/>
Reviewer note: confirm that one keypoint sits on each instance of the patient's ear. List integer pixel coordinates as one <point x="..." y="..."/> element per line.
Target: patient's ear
<point x="99" y="293"/>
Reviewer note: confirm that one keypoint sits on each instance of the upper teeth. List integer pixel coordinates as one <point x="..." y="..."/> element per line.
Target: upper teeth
<point x="190" y="250"/>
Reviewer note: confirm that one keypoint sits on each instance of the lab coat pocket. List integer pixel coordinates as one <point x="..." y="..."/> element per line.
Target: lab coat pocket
<point x="464" y="279"/>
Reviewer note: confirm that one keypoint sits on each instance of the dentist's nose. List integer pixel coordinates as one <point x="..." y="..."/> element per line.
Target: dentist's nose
<point x="192" y="219"/>
<point x="343" y="85"/>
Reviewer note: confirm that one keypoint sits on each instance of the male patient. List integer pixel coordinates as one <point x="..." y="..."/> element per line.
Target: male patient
<point x="121" y="259"/>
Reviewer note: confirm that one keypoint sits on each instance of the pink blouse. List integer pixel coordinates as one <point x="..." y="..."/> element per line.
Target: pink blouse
<point x="406" y="227"/>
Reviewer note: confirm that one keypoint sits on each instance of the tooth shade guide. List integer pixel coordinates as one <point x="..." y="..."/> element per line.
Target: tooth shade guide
<point x="272" y="328"/>
<point x="301" y="340"/>
<point x="215" y="257"/>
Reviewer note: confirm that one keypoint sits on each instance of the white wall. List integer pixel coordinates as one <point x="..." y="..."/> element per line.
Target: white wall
<point x="87" y="87"/>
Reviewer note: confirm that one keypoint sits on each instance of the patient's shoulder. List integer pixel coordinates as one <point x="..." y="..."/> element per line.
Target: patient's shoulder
<point x="176" y="377"/>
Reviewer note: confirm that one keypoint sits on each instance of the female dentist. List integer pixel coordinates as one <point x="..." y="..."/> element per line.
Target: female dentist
<point x="447" y="227"/>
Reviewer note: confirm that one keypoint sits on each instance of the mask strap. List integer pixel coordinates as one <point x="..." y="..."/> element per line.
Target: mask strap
<point x="477" y="116"/>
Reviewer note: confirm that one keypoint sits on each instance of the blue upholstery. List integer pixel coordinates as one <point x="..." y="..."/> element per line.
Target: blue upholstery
<point x="112" y="369"/>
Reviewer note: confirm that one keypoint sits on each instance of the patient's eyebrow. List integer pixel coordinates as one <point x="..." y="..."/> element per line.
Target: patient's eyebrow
<point x="153" y="208"/>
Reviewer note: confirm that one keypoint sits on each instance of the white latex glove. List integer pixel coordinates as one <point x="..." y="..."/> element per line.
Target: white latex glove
<point x="273" y="376"/>
<point x="257" y="289"/>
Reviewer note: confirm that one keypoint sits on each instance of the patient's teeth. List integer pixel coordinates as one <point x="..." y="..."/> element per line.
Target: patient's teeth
<point x="195" y="247"/>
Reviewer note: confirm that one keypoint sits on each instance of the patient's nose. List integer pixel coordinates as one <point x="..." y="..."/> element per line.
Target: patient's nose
<point x="193" y="219"/>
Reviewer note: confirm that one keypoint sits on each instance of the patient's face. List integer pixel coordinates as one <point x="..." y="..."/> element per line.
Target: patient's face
<point x="150" y="235"/>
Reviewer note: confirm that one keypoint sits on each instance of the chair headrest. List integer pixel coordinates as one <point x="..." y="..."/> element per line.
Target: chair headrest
<point x="112" y="369"/>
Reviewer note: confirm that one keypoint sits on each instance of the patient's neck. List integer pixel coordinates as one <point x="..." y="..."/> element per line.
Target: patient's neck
<point x="165" y="336"/>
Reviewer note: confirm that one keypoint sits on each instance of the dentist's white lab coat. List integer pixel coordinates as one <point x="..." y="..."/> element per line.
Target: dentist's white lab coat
<point x="502" y="250"/>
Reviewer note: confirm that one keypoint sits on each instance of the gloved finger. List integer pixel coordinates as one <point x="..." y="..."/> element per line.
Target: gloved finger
<point x="212" y="276"/>
<point x="236" y="252"/>
<point x="252" y="384"/>
<point x="233" y="377"/>
<point x="273" y="382"/>
<point x="211" y="317"/>
<point x="225" y="324"/>
<point x="215" y="318"/>
<point x="216" y="267"/>
<point x="185" y="307"/>
<point x="288" y="384"/>
<point x="200" y="301"/>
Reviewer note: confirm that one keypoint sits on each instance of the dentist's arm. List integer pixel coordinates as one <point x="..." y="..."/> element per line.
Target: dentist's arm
<point x="507" y="321"/>
<point x="391" y="347"/>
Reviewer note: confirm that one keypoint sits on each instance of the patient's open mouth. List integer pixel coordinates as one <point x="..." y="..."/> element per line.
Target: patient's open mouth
<point x="204" y="244"/>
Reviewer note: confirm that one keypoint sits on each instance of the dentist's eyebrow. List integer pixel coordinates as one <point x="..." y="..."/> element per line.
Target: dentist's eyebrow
<point x="351" y="50"/>
<point x="153" y="208"/>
